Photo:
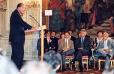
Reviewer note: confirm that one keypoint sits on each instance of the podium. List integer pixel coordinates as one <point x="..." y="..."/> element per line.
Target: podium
<point x="41" y="28"/>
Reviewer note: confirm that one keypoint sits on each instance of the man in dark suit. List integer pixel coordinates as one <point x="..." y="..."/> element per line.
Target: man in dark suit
<point x="82" y="48"/>
<point x="72" y="37"/>
<point x="17" y="34"/>
<point x="55" y="41"/>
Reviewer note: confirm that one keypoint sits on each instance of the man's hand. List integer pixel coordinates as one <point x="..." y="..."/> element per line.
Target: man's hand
<point x="34" y="29"/>
<point x="107" y="50"/>
<point x="80" y="48"/>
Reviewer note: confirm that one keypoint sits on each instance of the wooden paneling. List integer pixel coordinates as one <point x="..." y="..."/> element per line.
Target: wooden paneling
<point x="45" y="7"/>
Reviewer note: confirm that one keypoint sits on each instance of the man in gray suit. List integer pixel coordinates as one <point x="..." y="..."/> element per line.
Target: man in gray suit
<point x="106" y="48"/>
<point x="67" y="47"/>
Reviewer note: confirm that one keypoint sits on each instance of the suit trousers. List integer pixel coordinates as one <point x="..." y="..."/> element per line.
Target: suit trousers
<point x="17" y="53"/>
<point x="78" y="57"/>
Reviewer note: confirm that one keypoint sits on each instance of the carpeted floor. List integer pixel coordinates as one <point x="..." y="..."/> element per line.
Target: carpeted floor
<point x="85" y="72"/>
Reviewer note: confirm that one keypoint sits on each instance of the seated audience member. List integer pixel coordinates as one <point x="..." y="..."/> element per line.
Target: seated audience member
<point x="84" y="31"/>
<point x="54" y="40"/>
<point x="72" y="37"/>
<point x="96" y="42"/>
<point x="82" y="48"/>
<point x="58" y="35"/>
<point x="35" y="67"/>
<point x="62" y="36"/>
<point x="66" y="47"/>
<point x="48" y="44"/>
<point x="106" y="49"/>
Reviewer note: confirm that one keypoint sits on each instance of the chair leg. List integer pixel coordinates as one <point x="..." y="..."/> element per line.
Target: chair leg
<point x="94" y="64"/>
<point x="61" y="65"/>
<point x="99" y="64"/>
<point x="111" y="63"/>
<point x="87" y="66"/>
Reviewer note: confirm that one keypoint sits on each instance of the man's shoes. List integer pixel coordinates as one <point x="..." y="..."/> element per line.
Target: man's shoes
<point x="63" y="70"/>
<point x="108" y="55"/>
<point x="81" y="71"/>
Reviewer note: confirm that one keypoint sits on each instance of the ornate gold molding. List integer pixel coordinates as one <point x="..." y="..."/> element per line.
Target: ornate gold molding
<point x="3" y="4"/>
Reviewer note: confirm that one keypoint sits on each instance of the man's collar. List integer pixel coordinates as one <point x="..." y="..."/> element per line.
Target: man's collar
<point x="19" y="12"/>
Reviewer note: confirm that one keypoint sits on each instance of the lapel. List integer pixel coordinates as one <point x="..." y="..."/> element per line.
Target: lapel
<point x="101" y="44"/>
<point x="63" y="43"/>
<point x="80" y="40"/>
<point x="84" y="40"/>
<point x="109" y="43"/>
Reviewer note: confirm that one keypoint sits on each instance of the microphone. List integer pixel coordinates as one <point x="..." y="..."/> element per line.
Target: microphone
<point x="35" y="20"/>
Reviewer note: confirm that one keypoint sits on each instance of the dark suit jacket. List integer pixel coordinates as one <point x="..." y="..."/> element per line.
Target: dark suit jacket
<point x="17" y="27"/>
<point x="55" y="43"/>
<point x="73" y="39"/>
<point x="47" y="46"/>
<point x="86" y="44"/>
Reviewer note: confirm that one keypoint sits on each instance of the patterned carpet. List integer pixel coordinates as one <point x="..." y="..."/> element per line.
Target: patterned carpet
<point x="85" y="72"/>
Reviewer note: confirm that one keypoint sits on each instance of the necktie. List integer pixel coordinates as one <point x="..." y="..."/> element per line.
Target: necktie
<point x="66" y="43"/>
<point x="82" y="41"/>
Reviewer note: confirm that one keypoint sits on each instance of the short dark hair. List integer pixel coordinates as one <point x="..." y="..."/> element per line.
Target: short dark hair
<point x="19" y="5"/>
<point x="100" y="32"/>
<point x="106" y="32"/>
<point x="66" y="32"/>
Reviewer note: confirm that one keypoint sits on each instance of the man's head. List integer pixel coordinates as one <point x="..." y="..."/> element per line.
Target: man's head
<point x="53" y="34"/>
<point x="70" y="32"/>
<point x="83" y="33"/>
<point x="48" y="35"/>
<point x="100" y="34"/>
<point x="105" y="35"/>
<point x="62" y="36"/>
<point x="21" y="8"/>
<point x="67" y="35"/>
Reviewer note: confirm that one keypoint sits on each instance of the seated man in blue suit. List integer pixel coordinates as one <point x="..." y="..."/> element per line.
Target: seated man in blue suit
<point x="82" y="48"/>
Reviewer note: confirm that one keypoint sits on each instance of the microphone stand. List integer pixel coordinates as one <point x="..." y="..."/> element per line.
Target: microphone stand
<point x="36" y="36"/>
<point x="42" y="37"/>
<point x="35" y="20"/>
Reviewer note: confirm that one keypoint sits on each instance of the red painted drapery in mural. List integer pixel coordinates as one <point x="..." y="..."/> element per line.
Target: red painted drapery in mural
<point x="58" y="4"/>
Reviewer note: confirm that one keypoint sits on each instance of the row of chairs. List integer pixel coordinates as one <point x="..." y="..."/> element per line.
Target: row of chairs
<point x="85" y="62"/>
<point x="102" y="60"/>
